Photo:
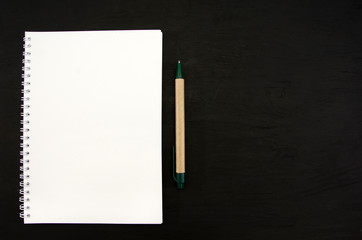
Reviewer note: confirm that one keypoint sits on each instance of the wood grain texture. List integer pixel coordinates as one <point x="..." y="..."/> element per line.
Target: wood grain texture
<point x="180" y="124"/>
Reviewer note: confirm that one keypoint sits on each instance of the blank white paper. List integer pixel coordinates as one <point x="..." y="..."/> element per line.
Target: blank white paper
<point x="94" y="127"/>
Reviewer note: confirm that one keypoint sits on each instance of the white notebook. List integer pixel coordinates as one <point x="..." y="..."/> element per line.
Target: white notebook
<point x="92" y="127"/>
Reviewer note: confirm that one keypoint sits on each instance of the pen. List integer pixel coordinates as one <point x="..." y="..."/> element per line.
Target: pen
<point x="179" y="173"/>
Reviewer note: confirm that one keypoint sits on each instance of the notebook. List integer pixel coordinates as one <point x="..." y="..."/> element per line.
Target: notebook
<point x="92" y="127"/>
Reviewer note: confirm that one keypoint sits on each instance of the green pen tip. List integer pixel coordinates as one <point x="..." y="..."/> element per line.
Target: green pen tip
<point x="179" y="70"/>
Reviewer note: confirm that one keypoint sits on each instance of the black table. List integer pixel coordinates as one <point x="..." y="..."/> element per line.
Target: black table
<point x="273" y="115"/>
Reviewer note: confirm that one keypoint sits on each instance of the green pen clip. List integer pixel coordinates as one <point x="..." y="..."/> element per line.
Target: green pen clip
<point x="178" y="177"/>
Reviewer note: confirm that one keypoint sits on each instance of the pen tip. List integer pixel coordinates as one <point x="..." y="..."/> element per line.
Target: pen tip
<point x="178" y="70"/>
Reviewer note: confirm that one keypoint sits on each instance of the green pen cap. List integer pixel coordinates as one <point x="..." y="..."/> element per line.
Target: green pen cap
<point x="180" y="180"/>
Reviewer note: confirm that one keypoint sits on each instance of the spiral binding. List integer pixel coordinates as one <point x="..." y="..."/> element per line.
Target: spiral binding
<point x="24" y="191"/>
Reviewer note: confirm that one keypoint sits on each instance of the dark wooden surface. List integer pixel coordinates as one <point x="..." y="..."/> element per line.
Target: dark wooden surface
<point x="273" y="108"/>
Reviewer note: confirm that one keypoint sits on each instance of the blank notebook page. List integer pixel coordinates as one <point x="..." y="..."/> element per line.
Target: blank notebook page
<point x="92" y="127"/>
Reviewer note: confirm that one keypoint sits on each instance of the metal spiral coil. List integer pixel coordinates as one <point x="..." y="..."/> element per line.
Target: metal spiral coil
<point x="24" y="168"/>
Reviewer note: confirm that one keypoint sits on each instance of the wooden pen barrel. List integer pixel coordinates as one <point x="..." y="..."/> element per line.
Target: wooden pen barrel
<point x="180" y="124"/>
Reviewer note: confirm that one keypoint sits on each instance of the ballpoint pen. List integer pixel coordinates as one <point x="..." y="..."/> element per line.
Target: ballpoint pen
<point x="179" y="172"/>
